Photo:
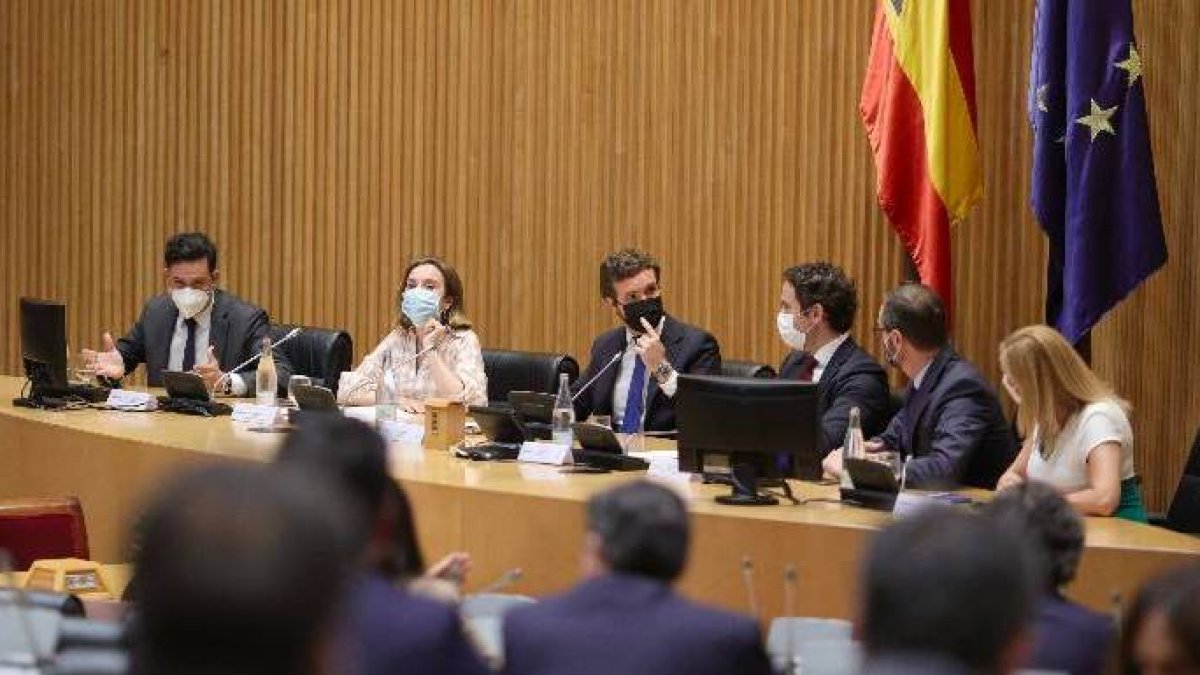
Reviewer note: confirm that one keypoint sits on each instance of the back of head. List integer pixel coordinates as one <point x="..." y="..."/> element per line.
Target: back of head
<point x="241" y="570"/>
<point x="1175" y="597"/>
<point x="643" y="530"/>
<point x="947" y="585"/>
<point x="827" y="285"/>
<point x="917" y="312"/>
<point x="1038" y="514"/>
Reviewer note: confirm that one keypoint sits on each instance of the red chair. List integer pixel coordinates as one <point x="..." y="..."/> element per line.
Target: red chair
<point x="37" y="529"/>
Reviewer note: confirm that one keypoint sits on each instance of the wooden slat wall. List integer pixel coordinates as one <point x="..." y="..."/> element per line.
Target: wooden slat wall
<point x="323" y="142"/>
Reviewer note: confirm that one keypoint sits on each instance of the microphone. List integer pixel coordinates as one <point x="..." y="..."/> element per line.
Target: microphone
<point x="291" y="334"/>
<point x="579" y="392"/>
<point x="507" y="579"/>
<point x="791" y="666"/>
<point x="748" y="583"/>
<point x="1114" y="604"/>
<point x="374" y="380"/>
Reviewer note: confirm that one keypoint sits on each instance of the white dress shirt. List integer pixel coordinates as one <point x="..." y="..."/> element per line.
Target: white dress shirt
<point x="625" y="376"/>
<point x="203" y="328"/>
<point x="825" y="354"/>
<point x="921" y="376"/>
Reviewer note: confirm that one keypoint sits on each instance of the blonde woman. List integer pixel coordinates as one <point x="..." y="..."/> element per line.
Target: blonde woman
<point x="432" y="350"/>
<point x="1076" y="430"/>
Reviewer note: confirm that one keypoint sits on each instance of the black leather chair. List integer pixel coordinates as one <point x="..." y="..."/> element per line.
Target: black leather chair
<point x="319" y="353"/>
<point x="524" y="371"/>
<point x="1184" y="512"/>
<point x="746" y="369"/>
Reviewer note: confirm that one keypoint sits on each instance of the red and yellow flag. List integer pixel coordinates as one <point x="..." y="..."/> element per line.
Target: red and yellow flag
<point x="918" y="104"/>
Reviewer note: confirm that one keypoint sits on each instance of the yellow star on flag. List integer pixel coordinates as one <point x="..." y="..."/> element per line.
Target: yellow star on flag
<point x="1131" y="65"/>
<point x="1099" y="120"/>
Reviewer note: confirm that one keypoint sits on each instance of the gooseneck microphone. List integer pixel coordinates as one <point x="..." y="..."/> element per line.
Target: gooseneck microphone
<point x="507" y="579"/>
<point x="587" y="385"/>
<point x="291" y="334"/>
<point x="748" y="584"/>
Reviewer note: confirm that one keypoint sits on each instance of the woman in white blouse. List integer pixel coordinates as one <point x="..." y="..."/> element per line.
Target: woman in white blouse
<point x="1076" y="430"/>
<point x="432" y="351"/>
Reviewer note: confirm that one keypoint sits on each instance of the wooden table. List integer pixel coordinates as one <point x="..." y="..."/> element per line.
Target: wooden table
<point x="509" y="515"/>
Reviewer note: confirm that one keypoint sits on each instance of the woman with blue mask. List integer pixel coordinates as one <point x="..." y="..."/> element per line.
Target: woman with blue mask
<point x="432" y="350"/>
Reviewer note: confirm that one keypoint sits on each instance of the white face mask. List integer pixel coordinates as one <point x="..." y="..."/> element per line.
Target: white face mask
<point x="795" y="338"/>
<point x="190" y="301"/>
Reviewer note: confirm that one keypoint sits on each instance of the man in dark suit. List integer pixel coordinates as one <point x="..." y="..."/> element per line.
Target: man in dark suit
<point x="194" y="327"/>
<point x="951" y="428"/>
<point x="625" y="619"/>
<point x="635" y="367"/>
<point x="945" y="593"/>
<point x="817" y="304"/>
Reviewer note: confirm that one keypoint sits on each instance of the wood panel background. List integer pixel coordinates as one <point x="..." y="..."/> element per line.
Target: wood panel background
<point x="324" y="142"/>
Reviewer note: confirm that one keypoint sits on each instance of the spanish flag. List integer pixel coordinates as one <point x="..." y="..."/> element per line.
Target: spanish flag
<point x="918" y="104"/>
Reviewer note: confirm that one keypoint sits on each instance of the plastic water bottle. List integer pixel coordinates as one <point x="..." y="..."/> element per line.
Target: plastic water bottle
<point x="564" y="413"/>
<point x="386" y="399"/>
<point x="852" y="446"/>
<point x="266" y="380"/>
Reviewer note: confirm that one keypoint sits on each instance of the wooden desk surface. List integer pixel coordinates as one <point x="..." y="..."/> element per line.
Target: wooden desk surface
<point x="511" y="515"/>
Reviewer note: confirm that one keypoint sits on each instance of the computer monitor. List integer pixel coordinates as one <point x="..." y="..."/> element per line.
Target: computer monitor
<point x="44" y="343"/>
<point x="763" y="428"/>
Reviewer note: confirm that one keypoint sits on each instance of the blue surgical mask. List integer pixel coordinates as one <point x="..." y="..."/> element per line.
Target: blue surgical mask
<point x="420" y="304"/>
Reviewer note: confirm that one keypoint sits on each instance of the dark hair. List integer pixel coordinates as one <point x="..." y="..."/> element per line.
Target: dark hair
<point x="241" y="571"/>
<point x="189" y="246"/>
<point x="948" y="584"/>
<point x="622" y="265"/>
<point x="1177" y="595"/>
<point x="404" y="560"/>
<point x="827" y="285"/>
<point x="348" y="452"/>
<point x="916" y="311"/>
<point x="1043" y="517"/>
<point x="455" y="315"/>
<point x="643" y="528"/>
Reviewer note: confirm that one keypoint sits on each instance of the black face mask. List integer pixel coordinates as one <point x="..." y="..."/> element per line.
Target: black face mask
<point x="650" y="309"/>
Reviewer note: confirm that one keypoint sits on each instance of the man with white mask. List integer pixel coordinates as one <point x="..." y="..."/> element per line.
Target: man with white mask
<point x="817" y="304"/>
<point x="195" y="326"/>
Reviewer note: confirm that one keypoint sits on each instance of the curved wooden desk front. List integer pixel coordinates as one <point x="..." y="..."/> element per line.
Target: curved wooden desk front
<point x="509" y="515"/>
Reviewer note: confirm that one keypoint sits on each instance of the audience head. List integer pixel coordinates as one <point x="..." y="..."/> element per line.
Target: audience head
<point x="817" y="302"/>
<point x="190" y="272"/>
<point x="241" y="571"/>
<point x="1036" y="512"/>
<point x="912" y="323"/>
<point x="432" y="290"/>
<point x="948" y="585"/>
<point x="638" y="528"/>
<point x="1161" y="635"/>
<point x="629" y="282"/>
<point x="404" y="560"/>
<point x="1047" y="379"/>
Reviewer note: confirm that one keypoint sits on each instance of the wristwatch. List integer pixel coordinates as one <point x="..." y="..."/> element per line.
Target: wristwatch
<point x="663" y="372"/>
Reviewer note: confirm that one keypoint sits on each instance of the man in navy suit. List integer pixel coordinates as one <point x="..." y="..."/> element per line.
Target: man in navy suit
<point x="625" y="619"/>
<point x="951" y="428"/>
<point x="817" y="304"/>
<point x="635" y="367"/>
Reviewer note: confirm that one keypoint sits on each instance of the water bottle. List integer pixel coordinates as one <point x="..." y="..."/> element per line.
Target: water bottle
<point x="564" y="413"/>
<point x="266" y="380"/>
<point x="852" y="446"/>
<point x="386" y="399"/>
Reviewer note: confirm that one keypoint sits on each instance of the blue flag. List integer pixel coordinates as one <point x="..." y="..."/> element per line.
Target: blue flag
<point x="1093" y="175"/>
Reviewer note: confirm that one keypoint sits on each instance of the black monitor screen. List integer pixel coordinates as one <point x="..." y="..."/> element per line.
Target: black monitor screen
<point x="44" y="341"/>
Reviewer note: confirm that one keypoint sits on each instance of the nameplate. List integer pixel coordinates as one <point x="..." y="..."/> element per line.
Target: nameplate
<point x="124" y="399"/>
<point x="252" y="413"/>
<point x="910" y="504"/>
<point x="543" y="452"/>
<point x="405" y="433"/>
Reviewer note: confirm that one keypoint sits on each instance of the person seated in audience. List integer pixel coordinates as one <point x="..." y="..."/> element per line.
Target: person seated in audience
<point x="945" y="593"/>
<point x="242" y="571"/>
<point x="404" y="562"/>
<point x="1077" y="434"/>
<point x="950" y="429"/>
<point x="652" y="346"/>
<point x="195" y="327"/>
<point x="817" y="304"/>
<point x="390" y="628"/>
<point x="432" y="351"/>
<point x="1067" y="637"/>
<point x="1161" y="635"/>
<point x="625" y="619"/>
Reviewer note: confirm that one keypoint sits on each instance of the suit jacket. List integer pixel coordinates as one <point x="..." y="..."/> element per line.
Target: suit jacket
<point x="689" y="349"/>
<point x="952" y="427"/>
<point x="629" y="625"/>
<point x="236" y="332"/>
<point x="851" y="378"/>
<point x="1070" y="638"/>
<point x="393" y="631"/>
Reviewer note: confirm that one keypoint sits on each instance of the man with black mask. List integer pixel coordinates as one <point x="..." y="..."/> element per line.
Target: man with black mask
<point x="636" y="367"/>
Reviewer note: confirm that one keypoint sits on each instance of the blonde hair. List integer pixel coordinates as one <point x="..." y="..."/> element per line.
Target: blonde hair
<point x="1052" y="380"/>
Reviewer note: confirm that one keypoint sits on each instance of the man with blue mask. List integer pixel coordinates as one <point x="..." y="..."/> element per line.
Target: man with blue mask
<point x="195" y="327"/>
<point x="633" y="371"/>
<point x="817" y="305"/>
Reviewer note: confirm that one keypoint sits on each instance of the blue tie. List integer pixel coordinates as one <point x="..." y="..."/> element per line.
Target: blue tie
<point x="636" y="398"/>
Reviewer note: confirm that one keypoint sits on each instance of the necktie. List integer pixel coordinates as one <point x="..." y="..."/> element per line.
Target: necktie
<point x="189" y="348"/>
<point x="808" y="365"/>
<point x="636" y="399"/>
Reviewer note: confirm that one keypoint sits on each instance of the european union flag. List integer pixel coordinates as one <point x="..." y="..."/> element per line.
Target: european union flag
<point x="1093" y="175"/>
